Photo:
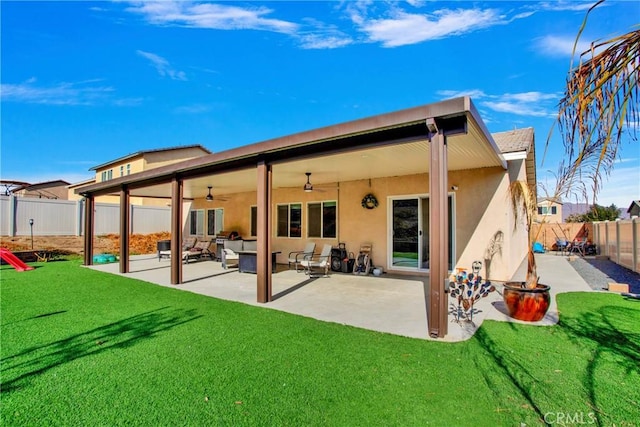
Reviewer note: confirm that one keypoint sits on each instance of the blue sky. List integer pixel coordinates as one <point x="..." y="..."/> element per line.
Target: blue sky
<point x="87" y="82"/>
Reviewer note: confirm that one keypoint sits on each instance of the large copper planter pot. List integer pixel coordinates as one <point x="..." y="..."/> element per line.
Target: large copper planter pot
<point x="526" y="304"/>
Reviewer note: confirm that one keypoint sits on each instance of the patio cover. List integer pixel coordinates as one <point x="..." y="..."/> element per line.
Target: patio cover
<point x="434" y="138"/>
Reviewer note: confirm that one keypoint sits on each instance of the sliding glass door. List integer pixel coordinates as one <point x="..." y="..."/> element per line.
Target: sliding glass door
<point x="406" y="228"/>
<point x="410" y="233"/>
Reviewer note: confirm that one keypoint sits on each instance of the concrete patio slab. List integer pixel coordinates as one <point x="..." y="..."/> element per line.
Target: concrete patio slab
<point x="389" y="303"/>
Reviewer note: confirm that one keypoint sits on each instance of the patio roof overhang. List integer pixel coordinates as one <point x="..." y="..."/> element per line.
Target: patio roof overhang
<point x="393" y="144"/>
<point x="435" y="138"/>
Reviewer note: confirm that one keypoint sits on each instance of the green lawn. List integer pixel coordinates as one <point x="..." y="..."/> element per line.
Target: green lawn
<point x="84" y="348"/>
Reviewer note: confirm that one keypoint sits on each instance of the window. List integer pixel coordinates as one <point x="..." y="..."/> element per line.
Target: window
<point x="322" y="219"/>
<point x="128" y="168"/>
<point x="121" y="170"/>
<point x="196" y="222"/>
<point x="107" y="175"/>
<point x="289" y="220"/>
<point x="214" y="221"/>
<point x="547" y="210"/>
<point x="254" y="221"/>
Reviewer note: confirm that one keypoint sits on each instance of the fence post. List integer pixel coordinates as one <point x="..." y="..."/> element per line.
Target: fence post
<point x="606" y="238"/>
<point x="132" y="210"/>
<point x="618" y="241"/>
<point x="79" y="210"/>
<point x="634" y="243"/>
<point x="12" y="215"/>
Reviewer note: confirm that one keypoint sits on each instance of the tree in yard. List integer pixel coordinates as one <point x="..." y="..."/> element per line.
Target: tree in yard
<point x="599" y="111"/>
<point x="596" y="213"/>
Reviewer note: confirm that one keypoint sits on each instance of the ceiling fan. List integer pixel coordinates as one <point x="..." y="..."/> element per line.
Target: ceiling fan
<point x="209" y="197"/>
<point x="308" y="187"/>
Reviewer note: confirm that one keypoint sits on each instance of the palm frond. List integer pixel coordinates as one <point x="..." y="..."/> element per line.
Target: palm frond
<point x="599" y="109"/>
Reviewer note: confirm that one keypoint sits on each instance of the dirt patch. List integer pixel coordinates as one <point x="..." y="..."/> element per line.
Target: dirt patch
<point x="110" y="243"/>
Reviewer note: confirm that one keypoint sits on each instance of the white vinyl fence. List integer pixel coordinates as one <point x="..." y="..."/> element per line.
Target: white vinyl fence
<point x="66" y="217"/>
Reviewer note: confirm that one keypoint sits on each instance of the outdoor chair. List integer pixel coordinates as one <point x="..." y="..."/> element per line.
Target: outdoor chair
<point x="187" y="244"/>
<point x="578" y="247"/>
<point x="200" y="250"/>
<point x="562" y="245"/>
<point x="296" y="256"/>
<point x="229" y="257"/>
<point x="312" y="264"/>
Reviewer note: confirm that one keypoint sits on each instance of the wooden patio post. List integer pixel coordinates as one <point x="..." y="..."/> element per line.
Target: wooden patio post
<point x="176" y="231"/>
<point x="263" y="260"/>
<point x="438" y="236"/>
<point x="125" y="221"/>
<point x="89" y="221"/>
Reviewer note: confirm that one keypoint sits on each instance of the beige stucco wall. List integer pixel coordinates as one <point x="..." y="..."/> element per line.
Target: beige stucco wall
<point x="481" y="203"/>
<point x="137" y="165"/>
<point x="485" y="221"/>
<point x="162" y="158"/>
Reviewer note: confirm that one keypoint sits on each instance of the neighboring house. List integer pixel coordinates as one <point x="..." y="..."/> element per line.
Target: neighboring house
<point x="138" y="162"/>
<point x="428" y="187"/>
<point x="56" y="189"/>
<point x="9" y="185"/>
<point x="549" y="210"/>
<point x="634" y="209"/>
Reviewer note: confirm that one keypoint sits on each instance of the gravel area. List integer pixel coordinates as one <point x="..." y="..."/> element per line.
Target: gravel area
<point x="598" y="273"/>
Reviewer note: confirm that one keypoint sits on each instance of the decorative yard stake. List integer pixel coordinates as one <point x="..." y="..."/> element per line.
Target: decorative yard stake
<point x="467" y="289"/>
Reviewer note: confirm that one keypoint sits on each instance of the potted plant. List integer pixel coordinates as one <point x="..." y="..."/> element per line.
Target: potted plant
<point x="528" y="300"/>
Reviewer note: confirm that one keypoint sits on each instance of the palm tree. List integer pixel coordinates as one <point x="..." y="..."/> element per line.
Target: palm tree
<point x="599" y="109"/>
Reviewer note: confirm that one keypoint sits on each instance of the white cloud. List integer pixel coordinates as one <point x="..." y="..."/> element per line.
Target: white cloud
<point x="473" y="93"/>
<point x="525" y="97"/>
<point x="162" y="66"/>
<point x="322" y="41"/>
<point x="64" y="93"/>
<point x="518" y="108"/>
<point x="622" y="186"/>
<point x="405" y="28"/>
<point x="535" y="104"/>
<point x="322" y="36"/>
<point x="416" y="3"/>
<point x="560" y="45"/>
<point x="212" y="16"/>
<point x="563" y="5"/>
